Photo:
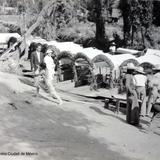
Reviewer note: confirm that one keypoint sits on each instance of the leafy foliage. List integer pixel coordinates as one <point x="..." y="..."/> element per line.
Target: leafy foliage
<point x="156" y="13"/>
<point x="85" y="21"/>
<point x="137" y="17"/>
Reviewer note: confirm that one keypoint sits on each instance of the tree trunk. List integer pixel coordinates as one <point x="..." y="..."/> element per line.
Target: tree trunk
<point x="132" y="37"/>
<point x="100" y="30"/>
<point x="143" y="39"/>
<point x="100" y="23"/>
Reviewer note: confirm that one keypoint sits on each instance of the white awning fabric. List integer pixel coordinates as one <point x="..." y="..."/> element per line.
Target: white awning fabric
<point x="4" y="37"/>
<point x="152" y="59"/>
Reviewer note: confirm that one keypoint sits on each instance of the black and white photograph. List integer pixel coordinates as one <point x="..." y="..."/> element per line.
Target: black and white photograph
<point x="79" y="79"/>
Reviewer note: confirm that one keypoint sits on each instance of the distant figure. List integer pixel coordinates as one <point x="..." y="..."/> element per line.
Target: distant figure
<point x="37" y="60"/>
<point x="11" y="41"/>
<point x="32" y="48"/>
<point x="112" y="48"/>
<point x="149" y="81"/>
<point x="154" y="95"/>
<point x="122" y="81"/>
<point x="140" y="83"/>
<point x="132" y="115"/>
<point x="49" y="75"/>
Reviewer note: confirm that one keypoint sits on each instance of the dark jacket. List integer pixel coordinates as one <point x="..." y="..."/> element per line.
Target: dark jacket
<point x="130" y="87"/>
<point x="34" y="60"/>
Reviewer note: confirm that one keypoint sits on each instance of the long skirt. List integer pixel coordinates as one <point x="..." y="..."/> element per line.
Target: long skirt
<point x="132" y="114"/>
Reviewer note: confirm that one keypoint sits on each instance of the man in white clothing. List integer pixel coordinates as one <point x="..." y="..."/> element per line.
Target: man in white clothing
<point x="112" y="48"/>
<point x="140" y="83"/>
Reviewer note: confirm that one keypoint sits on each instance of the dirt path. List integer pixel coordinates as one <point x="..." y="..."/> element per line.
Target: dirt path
<point x="33" y="125"/>
<point x="73" y="131"/>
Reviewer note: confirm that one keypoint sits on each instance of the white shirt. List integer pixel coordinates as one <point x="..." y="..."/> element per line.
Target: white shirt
<point x="140" y="80"/>
<point x="112" y="48"/>
<point x="38" y="55"/>
<point x="157" y="75"/>
<point x="156" y="80"/>
<point x="49" y="67"/>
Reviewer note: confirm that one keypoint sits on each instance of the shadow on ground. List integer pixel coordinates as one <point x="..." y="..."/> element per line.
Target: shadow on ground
<point x="49" y="131"/>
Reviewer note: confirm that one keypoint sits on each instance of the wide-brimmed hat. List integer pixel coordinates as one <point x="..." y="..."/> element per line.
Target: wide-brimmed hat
<point x="49" y="51"/>
<point x="140" y="70"/>
<point x="131" y="66"/>
<point x="157" y="67"/>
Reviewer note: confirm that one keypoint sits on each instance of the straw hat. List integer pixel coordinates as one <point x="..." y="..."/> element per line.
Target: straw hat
<point x="130" y="66"/>
<point x="140" y="70"/>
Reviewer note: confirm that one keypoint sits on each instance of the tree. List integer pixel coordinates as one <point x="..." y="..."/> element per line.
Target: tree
<point x="97" y="12"/>
<point x="146" y="18"/>
<point x="137" y="17"/>
<point x="12" y="3"/>
<point x="156" y="13"/>
<point x="125" y="8"/>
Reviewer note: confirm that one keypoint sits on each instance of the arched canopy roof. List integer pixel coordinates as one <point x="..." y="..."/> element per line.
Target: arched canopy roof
<point x="91" y="52"/>
<point x="117" y="60"/>
<point x="103" y="58"/>
<point x="152" y="52"/>
<point x="147" y="65"/>
<point x="71" y="47"/>
<point x="83" y="56"/>
<point x="131" y="60"/>
<point x="4" y="37"/>
<point x="88" y="54"/>
<point x="150" y="59"/>
<point x="65" y="54"/>
<point x="32" y="39"/>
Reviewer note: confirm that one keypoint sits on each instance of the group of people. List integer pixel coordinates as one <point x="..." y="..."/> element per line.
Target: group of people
<point x="143" y="92"/>
<point x="143" y="89"/>
<point x="43" y="66"/>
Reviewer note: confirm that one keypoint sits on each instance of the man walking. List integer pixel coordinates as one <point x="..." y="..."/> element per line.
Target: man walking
<point x="49" y="75"/>
<point x="37" y="58"/>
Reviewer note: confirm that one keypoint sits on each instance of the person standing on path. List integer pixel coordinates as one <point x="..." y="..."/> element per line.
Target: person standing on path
<point x="140" y="83"/>
<point x="32" y="48"/>
<point x="132" y="114"/>
<point x="49" y="75"/>
<point x="37" y="59"/>
<point x="154" y="93"/>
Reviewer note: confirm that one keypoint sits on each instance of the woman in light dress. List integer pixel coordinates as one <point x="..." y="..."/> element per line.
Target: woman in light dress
<point x="49" y="75"/>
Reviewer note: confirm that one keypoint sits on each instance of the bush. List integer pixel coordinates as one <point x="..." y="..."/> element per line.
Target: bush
<point x="78" y="33"/>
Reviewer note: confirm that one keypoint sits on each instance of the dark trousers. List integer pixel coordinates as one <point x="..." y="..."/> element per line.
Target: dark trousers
<point x="132" y="114"/>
